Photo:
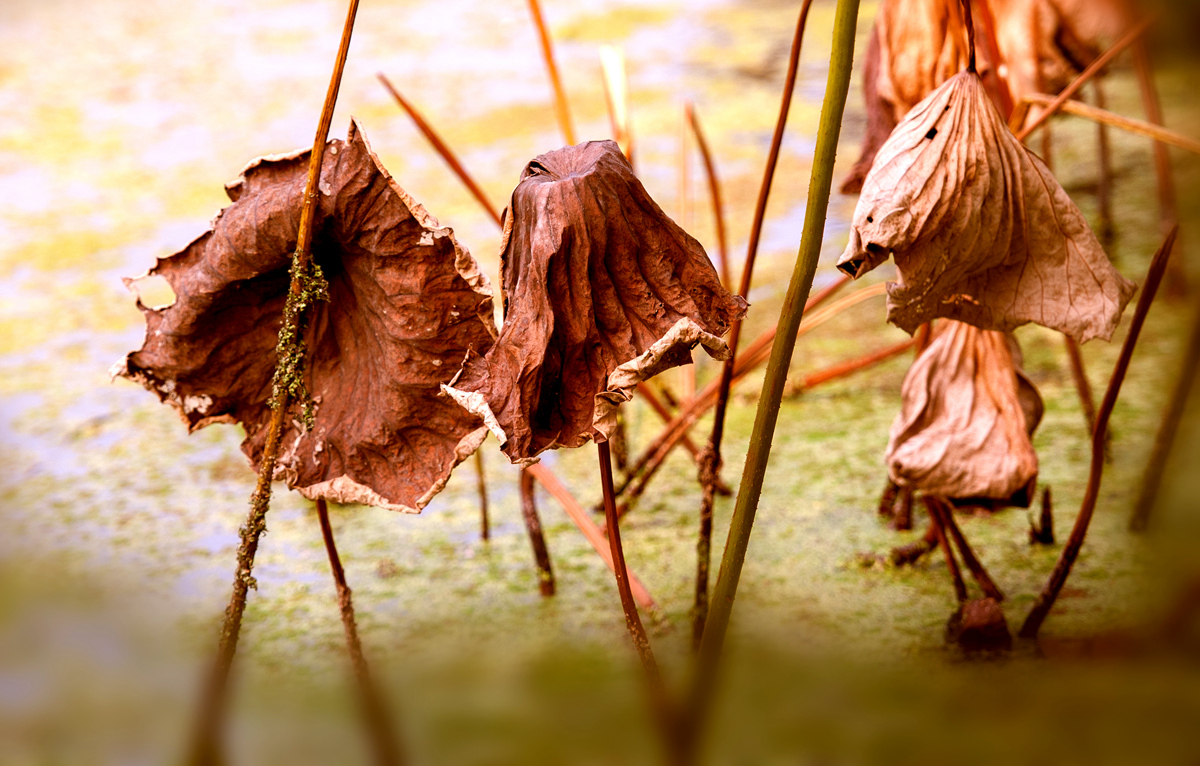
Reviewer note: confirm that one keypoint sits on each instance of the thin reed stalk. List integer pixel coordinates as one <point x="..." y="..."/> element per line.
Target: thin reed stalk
<point x="383" y="738"/>
<point x="721" y="607"/>
<point x="440" y="146"/>
<point x="1101" y="61"/>
<point x="1129" y="124"/>
<point x="1062" y="569"/>
<point x="714" y="191"/>
<point x="533" y="525"/>
<point x="304" y="289"/>
<point x="1165" y="437"/>
<point x="561" y="110"/>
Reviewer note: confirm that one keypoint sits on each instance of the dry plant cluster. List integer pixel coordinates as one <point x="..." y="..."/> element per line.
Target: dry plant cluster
<point x="351" y="335"/>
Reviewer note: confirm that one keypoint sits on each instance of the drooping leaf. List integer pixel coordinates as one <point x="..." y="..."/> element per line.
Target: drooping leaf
<point x="406" y="304"/>
<point x="979" y="228"/>
<point x="968" y="414"/>
<point x="601" y="290"/>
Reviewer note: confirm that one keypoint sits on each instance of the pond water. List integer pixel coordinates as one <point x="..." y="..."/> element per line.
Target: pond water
<point x="124" y="119"/>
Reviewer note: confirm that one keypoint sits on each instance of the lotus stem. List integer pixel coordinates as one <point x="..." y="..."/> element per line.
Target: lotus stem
<point x="1086" y="401"/>
<point x="751" y="357"/>
<point x="1062" y="569"/>
<point x="721" y="608"/>
<point x="972" y="563"/>
<point x="938" y="524"/>
<point x="1001" y="92"/>
<point x="205" y="749"/>
<point x="842" y="369"/>
<point x="561" y="110"/>
<point x="382" y="737"/>
<point x="966" y="5"/>
<point x="1163" y="176"/>
<point x="593" y="533"/>
<point x="714" y="190"/>
<point x="1101" y="61"/>
<point x="1167" y="429"/>
<point x="481" y="485"/>
<point x="1104" y="117"/>
<point x="445" y="151"/>
<point x="1104" y="170"/>
<point x="533" y="524"/>
<point x="659" y="699"/>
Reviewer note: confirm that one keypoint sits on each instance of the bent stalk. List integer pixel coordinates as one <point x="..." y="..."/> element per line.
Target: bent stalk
<point x="305" y="288"/>
<point x="1062" y="569"/>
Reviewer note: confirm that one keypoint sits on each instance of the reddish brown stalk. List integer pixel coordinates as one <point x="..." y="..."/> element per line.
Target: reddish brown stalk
<point x="1104" y="170"/>
<point x="1168" y="211"/>
<point x="561" y="110"/>
<point x="1105" y="118"/>
<point x="946" y="511"/>
<point x="533" y="525"/>
<point x="999" y="87"/>
<point x="939" y="528"/>
<point x="1101" y="61"/>
<point x="447" y="154"/>
<point x="481" y="485"/>
<point x="966" y="4"/>
<point x="382" y="737"/>
<point x="1070" y="552"/>
<point x="1086" y="400"/>
<point x="714" y="190"/>
<point x="659" y="699"/>
<point x="1042" y="533"/>
<point x="590" y="530"/>
<point x="1167" y="429"/>
<point x="842" y="369"/>
<point x="753" y="355"/>
<point x="205" y="746"/>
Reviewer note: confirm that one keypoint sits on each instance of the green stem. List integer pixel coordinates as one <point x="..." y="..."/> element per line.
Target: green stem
<point x="837" y="87"/>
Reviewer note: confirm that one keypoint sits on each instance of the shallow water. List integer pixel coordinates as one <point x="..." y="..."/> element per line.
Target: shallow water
<point x="122" y="121"/>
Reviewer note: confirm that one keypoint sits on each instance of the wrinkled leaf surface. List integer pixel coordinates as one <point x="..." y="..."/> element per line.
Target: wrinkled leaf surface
<point x="406" y="304"/>
<point x="979" y="228"/>
<point x="601" y="290"/>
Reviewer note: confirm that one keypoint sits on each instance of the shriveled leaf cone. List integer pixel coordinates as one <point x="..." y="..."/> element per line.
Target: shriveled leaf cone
<point x="978" y="226"/>
<point x="968" y="412"/>
<point x="406" y="303"/>
<point x="601" y="290"/>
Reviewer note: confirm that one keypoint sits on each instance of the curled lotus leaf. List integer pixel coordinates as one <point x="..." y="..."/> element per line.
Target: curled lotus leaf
<point x="979" y="228"/>
<point x="406" y="304"/>
<point x="967" y="416"/>
<point x="601" y="291"/>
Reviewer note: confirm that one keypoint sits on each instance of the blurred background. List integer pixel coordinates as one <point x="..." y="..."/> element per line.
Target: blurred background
<point x="122" y="120"/>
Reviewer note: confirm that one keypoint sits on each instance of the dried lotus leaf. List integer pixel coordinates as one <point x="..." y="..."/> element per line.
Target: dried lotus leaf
<point x="601" y="290"/>
<point x="978" y="226"/>
<point x="407" y="303"/>
<point x="967" y="416"/>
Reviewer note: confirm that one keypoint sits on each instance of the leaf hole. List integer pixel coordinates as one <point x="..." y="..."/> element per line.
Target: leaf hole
<point x="932" y="132"/>
<point x="153" y="291"/>
<point x="870" y="219"/>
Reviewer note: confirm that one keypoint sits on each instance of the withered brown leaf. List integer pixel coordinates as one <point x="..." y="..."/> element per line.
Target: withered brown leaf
<point x="407" y="303"/>
<point x="916" y="45"/>
<point x="601" y="290"/>
<point x="968" y="413"/>
<point x="979" y="228"/>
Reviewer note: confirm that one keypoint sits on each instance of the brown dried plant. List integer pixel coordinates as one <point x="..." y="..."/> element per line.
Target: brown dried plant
<point x="979" y="228"/>
<point x="967" y="416"/>
<point x="407" y="303"/>
<point x="601" y="292"/>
